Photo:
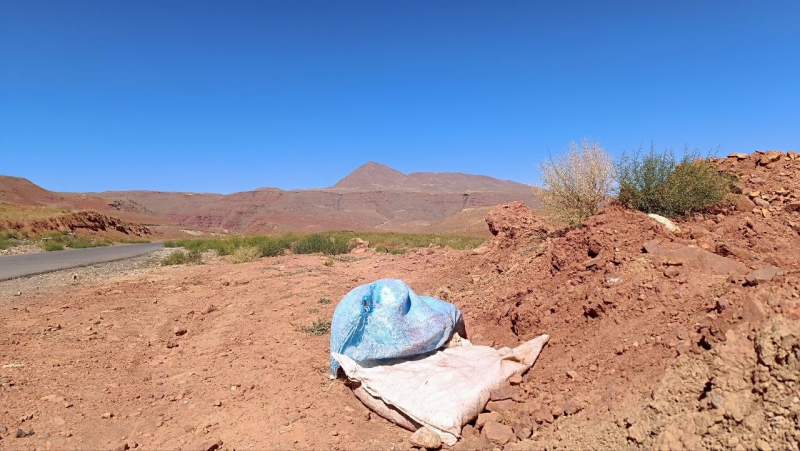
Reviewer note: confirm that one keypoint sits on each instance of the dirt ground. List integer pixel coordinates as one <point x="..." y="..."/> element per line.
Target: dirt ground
<point x="660" y="340"/>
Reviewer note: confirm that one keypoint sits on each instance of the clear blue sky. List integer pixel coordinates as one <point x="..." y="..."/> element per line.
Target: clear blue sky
<point x="231" y="95"/>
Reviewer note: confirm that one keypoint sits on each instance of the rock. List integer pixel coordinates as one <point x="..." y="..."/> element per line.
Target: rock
<point x="760" y="202"/>
<point x="722" y="305"/>
<point x="209" y="309"/>
<point x="179" y="331"/>
<point x="122" y="447"/>
<point x="763" y="445"/>
<point x="744" y="204"/>
<point x="738" y="156"/>
<point x="171" y="344"/>
<point x="3" y="429"/>
<point x="515" y="380"/>
<point x="487" y="416"/>
<point x="753" y="310"/>
<point x="543" y="415"/>
<point x="523" y="432"/>
<point x="218" y="403"/>
<point x="792" y="207"/>
<point x="672" y="271"/>
<point x="637" y="432"/>
<point x="571" y="407"/>
<point x="106" y="415"/>
<point x="22" y="434"/>
<point x="211" y="445"/>
<point x="500" y="406"/>
<point x="497" y="433"/>
<point x="574" y="376"/>
<point x="769" y="157"/>
<point x="502" y="393"/>
<point x="425" y="438"/>
<point x="669" y="225"/>
<point x="763" y="275"/>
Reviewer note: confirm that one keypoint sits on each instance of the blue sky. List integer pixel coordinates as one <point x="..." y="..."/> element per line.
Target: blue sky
<point x="224" y="96"/>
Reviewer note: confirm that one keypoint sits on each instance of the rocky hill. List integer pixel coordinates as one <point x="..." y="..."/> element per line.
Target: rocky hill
<point x="372" y="197"/>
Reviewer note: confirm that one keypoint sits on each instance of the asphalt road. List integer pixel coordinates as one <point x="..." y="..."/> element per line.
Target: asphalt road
<point x="13" y="266"/>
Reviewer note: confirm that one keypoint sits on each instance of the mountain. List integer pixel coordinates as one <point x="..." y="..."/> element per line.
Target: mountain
<point x="378" y="176"/>
<point x="372" y="197"/>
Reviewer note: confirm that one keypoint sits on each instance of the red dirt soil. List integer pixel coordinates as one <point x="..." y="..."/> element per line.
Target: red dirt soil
<point x="659" y="339"/>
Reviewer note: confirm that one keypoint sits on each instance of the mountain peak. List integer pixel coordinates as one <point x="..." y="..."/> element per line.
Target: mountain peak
<point x="371" y="174"/>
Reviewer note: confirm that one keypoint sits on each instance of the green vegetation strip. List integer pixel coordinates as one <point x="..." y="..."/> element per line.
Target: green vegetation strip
<point x="328" y="243"/>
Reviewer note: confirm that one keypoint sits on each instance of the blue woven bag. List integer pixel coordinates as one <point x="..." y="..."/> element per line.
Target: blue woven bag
<point x="385" y="319"/>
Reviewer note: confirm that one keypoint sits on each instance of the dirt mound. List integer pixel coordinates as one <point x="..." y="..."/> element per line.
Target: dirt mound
<point x="743" y="395"/>
<point x="622" y="297"/>
<point x="82" y="222"/>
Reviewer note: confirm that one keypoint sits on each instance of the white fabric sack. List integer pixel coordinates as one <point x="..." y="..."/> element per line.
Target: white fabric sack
<point x="442" y="390"/>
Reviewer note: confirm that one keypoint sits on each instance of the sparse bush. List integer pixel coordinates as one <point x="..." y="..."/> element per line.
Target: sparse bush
<point x="183" y="258"/>
<point x="577" y="184"/>
<point x="329" y="244"/>
<point x="59" y="240"/>
<point x="324" y="301"/>
<point x="320" y="327"/>
<point x="245" y="254"/>
<point x="52" y="246"/>
<point x="656" y="182"/>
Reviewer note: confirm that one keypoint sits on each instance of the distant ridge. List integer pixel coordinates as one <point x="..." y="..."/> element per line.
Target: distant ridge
<point x="374" y="175"/>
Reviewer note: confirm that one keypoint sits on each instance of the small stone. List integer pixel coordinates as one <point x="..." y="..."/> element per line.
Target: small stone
<point x="574" y="376"/>
<point x="487" y="416"/>
<point x="218" y="403"/>
<point x="571" y="407"/>
<point x="744" y="204"/>
<point x="543" y="415"/>
<point x="763" y="275"/>
<point x="122" y="447"/>
<point x="761" y="202"/>
<point x="523" y="432"/>
<point x="425" y="438"/>
<point x="497" y="433"/>
<point x="107" y="415"/>
<point x="22" y="434"/>
<point x="209" y="309"/>
<point x="499" y="394"/>
<point x="211" y="445"/>
<point x="753" y="310"/>
<point x="500" y="406"/>
<point x="3" y="429"/>
<point x="763" y="445"/>
<point x="171" y="344"/>
<point x="672" y="272"/>
<point x="738" y="156"/>
<point x="179" y="331"/>
<point x="515" y="380"/>
<point x="792" y="207"/>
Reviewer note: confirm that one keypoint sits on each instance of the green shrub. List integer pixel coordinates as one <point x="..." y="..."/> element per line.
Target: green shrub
<point x="52" y="246"/>
<point x="183" y="258"/>
<point x="320" y="327"/>
<point x="328" y="243"/>
<point x="245" y="254"/>
<point x="324" y="301"/>
<point x="656" y="182"/>
<point x="577" y="184"/>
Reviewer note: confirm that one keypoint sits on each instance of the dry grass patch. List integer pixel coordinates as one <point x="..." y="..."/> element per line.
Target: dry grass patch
<point x="245" y="254"/>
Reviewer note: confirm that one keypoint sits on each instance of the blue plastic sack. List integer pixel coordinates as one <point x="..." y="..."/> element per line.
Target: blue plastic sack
<point x="385" y="319"/>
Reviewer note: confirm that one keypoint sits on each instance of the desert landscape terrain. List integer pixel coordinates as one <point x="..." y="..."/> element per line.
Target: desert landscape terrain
<point x="373" y="197"/>
<point x="659" y="339"/>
